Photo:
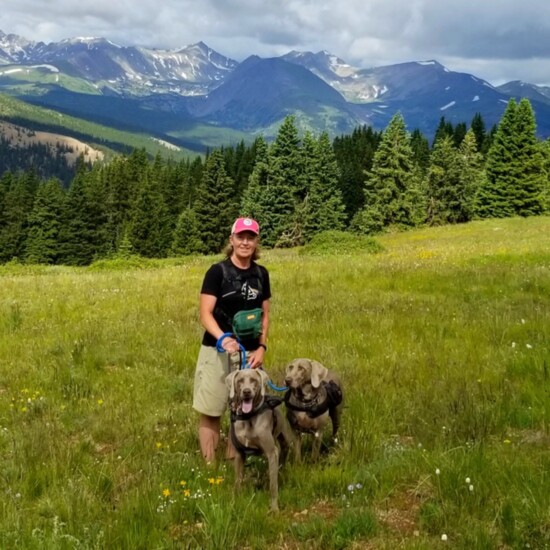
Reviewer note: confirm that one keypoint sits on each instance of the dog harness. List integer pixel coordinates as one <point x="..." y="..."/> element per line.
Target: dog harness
<point x="313" y="408"/>
<point x="270" y="402"/>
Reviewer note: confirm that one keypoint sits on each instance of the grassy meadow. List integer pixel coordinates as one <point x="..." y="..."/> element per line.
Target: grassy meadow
<point x="441" y="339"/>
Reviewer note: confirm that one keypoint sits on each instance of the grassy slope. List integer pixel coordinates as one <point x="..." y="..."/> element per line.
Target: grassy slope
<point x="442" y="343"/>
<point x="35" y="117"/>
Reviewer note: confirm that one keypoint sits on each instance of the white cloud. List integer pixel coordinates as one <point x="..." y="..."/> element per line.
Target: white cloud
<point x="497" y="40"/>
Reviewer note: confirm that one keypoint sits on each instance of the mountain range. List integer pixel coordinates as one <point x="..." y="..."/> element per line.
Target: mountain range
<point x="196" y="97"/>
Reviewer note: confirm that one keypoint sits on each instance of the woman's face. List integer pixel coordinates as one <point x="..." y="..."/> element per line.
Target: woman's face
<point x="244" y="243"/>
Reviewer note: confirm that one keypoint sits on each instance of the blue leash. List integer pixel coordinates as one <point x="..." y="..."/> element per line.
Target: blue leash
<point x="244" y="364"/>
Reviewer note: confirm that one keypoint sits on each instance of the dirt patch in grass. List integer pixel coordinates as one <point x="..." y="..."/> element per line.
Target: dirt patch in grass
<point x="399" y="512"/>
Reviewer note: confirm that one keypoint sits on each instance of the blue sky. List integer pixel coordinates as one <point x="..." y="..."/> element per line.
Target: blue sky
<point x="498" y="40"/>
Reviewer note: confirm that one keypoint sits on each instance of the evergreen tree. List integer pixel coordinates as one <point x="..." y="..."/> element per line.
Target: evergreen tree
<point x="45" y="220"/>
<point x="444" y="129"/>
<point x="323" y="205"/>
<point x="528" y="191"/>
<point x="277" y="186"/>
<point x="17" y="206"/>
<point x="443" y="182"/>
<point x="472" y="174"/>
<point x="421" y="151"/>
<point x="515" y="167"/>
<point x="150" y="228"/>
<point x="83" y="233"/>
<point x="121" y="191"/>
<point x="478" y="127"/>
<point x="216" y="205"/>
<point x="5" y="183"/>
<point x="187" y="235"/>
<point x="545" y="146"/>
<point x="252" y="204"/>
<point x="355" y="154"/>
<point x="459" y="133"/>
<point x="245" y="160"/>
<point x="393" y="192"/>
<point x="493" y="200"/>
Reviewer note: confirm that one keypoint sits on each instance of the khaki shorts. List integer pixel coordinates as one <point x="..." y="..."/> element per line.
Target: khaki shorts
<point x="210" y="392"/>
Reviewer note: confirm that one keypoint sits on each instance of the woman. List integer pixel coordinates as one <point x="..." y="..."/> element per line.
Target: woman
<point x="235" y="284"/>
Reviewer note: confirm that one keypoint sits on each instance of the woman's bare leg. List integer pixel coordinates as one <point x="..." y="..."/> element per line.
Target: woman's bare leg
<point x="209" y="436"/>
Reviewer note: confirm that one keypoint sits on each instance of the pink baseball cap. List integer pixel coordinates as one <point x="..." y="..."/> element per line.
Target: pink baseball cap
<point x="245" y="224"/>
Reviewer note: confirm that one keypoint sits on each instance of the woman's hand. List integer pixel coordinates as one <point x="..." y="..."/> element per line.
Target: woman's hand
<point x="256" y="358"/>
<point x="230" y="344"/>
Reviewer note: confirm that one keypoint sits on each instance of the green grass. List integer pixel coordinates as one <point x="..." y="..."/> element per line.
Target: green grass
<point x="441" y="338"/>
<point x="19" y="78"/>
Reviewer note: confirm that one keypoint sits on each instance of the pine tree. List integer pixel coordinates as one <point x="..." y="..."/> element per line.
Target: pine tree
<point x="83" y="234"/>
<point x="216" y="205"/>
<point x="421" y="151"/>
<point x="443" y="183"/>
<point x="45" y="220"/>
<point x="545" y="146"/>
<point x="472" y="174"/>
<point x="478" y="127"/>
<point x="444" y="129"/>
<point x="323" y="205"/>
<point x="252" y="204"/>
<point x="355" y="154"/>
<point x="459" y="133"/>
<point x="121" y="191"/>
<point x="286" y="187"/>
<point x="393" y="192"/>
<point x="453" y="179"/>
<point x="494" y="196"/>
<point x="150" y="229"/>
<point x="527" y="193"/>
<point x="515" y="167"/>
<point x="18" y="200"/>
<point x="187" y="235"/>
<point x="276" y="187"/>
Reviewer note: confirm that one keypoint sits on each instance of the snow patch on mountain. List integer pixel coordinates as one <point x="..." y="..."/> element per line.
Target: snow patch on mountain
<point x="447" y="106"/>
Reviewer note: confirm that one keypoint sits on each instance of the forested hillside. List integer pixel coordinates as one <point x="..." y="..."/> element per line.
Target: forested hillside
<point x="297" y="187"/>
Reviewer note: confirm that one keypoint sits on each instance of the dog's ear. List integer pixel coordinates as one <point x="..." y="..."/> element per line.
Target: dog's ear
<point x="318" y="373"/>
<point x="264" y="380"/>
<point x="230" y="381"/>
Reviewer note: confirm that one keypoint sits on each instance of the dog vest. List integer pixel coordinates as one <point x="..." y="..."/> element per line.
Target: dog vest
<point x="313" y="408"/>
<point x="269" y="402"/>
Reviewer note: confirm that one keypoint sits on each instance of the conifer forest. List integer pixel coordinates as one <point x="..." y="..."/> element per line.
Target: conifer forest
<point x="296" y="187"/>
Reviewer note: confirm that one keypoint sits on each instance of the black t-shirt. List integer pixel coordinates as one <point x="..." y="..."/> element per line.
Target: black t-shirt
<point x="231" y="299"/>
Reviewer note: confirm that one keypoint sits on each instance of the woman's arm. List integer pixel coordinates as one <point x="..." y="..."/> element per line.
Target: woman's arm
<point x="206" y="309"/>
<point x="256" y="358"/>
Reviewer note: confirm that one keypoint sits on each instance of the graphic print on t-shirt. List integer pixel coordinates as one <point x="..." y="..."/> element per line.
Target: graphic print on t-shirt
<point x="248" y="292"/>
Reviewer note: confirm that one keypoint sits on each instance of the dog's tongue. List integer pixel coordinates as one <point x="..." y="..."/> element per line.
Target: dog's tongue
<point x="246" y="406"/>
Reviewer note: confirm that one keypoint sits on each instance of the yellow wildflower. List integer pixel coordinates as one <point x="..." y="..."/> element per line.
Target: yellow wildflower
<point x="158" y="444"/>
<point x="186" y="493"/>
<point x="166" y="492"/>
<point x="183" y="483"/>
